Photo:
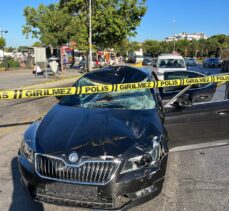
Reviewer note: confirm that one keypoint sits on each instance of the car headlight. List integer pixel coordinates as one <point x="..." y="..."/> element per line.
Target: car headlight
<point x="148" y="159"/>
<point x="26" y="151"/>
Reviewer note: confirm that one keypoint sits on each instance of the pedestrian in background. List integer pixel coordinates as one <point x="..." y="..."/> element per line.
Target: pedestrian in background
<point x="65" y="61"/>
<point x="37" y="71"/>
<point x="54" y="67"/>
<point x="227" y="91"/>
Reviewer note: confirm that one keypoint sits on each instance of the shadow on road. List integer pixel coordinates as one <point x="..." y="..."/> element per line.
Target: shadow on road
<point x="20" y="199"/>
<point x="16" y="124"/>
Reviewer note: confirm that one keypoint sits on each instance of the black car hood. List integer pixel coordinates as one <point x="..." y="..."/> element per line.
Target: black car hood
<point x="95" y="132"/>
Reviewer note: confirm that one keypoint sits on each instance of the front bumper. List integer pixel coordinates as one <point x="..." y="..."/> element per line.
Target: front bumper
<point x="121" y="192"/>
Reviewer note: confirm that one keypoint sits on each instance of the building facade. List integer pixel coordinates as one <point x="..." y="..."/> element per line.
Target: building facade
<point x="186" y="36"/>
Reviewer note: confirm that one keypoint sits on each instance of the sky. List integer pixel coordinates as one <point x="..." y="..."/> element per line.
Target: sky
<point x="163" y="18"/>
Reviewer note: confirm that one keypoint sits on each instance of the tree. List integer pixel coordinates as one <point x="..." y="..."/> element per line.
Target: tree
<point x="10" y="49"/>
<point x="2" y="42"/>
<point x="37" y="44"/>
<point x="152" y="46"/>
<point x="166" y="47"/>
<point x="123" y="48"/>
<point x="182" y="47"/>
<point x="212" y="45"/>
<point x="22" y="48"/>
<point x="134" y="46"/>
<point x="112" y="22"/>
<point x="50" y="24"/>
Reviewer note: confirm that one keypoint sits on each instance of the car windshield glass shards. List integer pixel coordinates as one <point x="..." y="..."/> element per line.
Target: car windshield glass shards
<point x="131" y="99"/>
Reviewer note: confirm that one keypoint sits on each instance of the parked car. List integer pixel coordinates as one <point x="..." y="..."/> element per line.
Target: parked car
<point x="190" y="62"/>
<point x="211" y="62"/>
<point x="109" y="150"/>
<point x="168" y="62"/>
<point x="147" y="61"/>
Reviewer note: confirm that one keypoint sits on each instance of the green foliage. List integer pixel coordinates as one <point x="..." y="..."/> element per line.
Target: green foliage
<point x="37" y="44"/>
<point x="134" y="46"/>
<point x="112" y="22"/>
<point x="123" y="48"/>
<point x="152" y="46"/>
<point x="9" y="49"/>
<point x="22" y="48"/>
<point x="50" y="24"/>
<point x="200" y="48"/>
<point x="2" y="42"/>
<point x="11" y="63"/>
<point x="8" y="63"/>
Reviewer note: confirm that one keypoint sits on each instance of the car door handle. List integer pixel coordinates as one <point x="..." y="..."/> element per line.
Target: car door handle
<point x="223" y="113"/>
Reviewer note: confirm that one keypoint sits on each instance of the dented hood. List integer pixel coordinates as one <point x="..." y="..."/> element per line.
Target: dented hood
<point x="95" y="132"/>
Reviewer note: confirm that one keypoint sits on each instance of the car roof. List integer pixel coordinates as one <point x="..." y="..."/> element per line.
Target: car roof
<point x="186" y="71"/>
<point x="118" y="74"/>
<point x="170" y="56"/>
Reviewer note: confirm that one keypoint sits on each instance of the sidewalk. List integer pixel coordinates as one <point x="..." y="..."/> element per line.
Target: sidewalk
<point x="20" y="78"/>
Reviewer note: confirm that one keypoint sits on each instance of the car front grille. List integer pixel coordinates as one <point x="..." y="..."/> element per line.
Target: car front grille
<point x="86" y="196"/>
<point x="88" y="172"/>
<point x="71" y="195"/>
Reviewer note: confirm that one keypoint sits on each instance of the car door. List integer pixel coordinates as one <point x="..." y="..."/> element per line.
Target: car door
<point x="198" y="93"/>
<point x="200" y="123"/>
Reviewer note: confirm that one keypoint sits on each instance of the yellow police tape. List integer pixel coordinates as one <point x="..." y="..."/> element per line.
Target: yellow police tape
<point x="29" y="93"/>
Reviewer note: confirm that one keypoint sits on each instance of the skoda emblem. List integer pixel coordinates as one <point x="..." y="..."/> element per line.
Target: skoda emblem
<point x="73" y="157"/>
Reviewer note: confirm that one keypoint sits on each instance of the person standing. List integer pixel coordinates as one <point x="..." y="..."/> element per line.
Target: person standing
<point x="65" y="61"/>
<point x="227" y="91"/>
<point x="54" y="67"/>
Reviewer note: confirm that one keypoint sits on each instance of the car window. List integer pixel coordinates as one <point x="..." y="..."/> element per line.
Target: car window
<point x="133" y="99"/>
<point x="171" y="63"/>
<point x="181" y="75"/>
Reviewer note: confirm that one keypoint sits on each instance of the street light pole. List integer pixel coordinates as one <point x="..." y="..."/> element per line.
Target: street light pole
<point x="174" y="38"/>
<point x="3" y="31"/>
<point x="90" y="40"/>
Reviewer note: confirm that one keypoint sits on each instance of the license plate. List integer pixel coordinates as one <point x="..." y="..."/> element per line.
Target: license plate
<point x="77" y="190"/>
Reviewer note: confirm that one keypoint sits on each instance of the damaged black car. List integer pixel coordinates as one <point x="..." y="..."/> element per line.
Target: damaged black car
<point x="100" y="150"/>
<point x="109" y="150"/>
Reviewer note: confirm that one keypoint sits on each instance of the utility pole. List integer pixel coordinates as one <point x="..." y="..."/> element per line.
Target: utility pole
<point x="90" y="40"/>
<point x="174" y="38"/>
<point x="3" y="31"/>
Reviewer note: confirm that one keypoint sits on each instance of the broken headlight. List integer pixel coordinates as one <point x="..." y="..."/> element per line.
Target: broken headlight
<point x="26" y="151"/>
<point x="148" y="159"/>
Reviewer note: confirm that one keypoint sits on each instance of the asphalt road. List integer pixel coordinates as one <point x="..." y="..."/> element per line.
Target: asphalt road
<point x="19" y="78"/>
<point x="196" y="180"/>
